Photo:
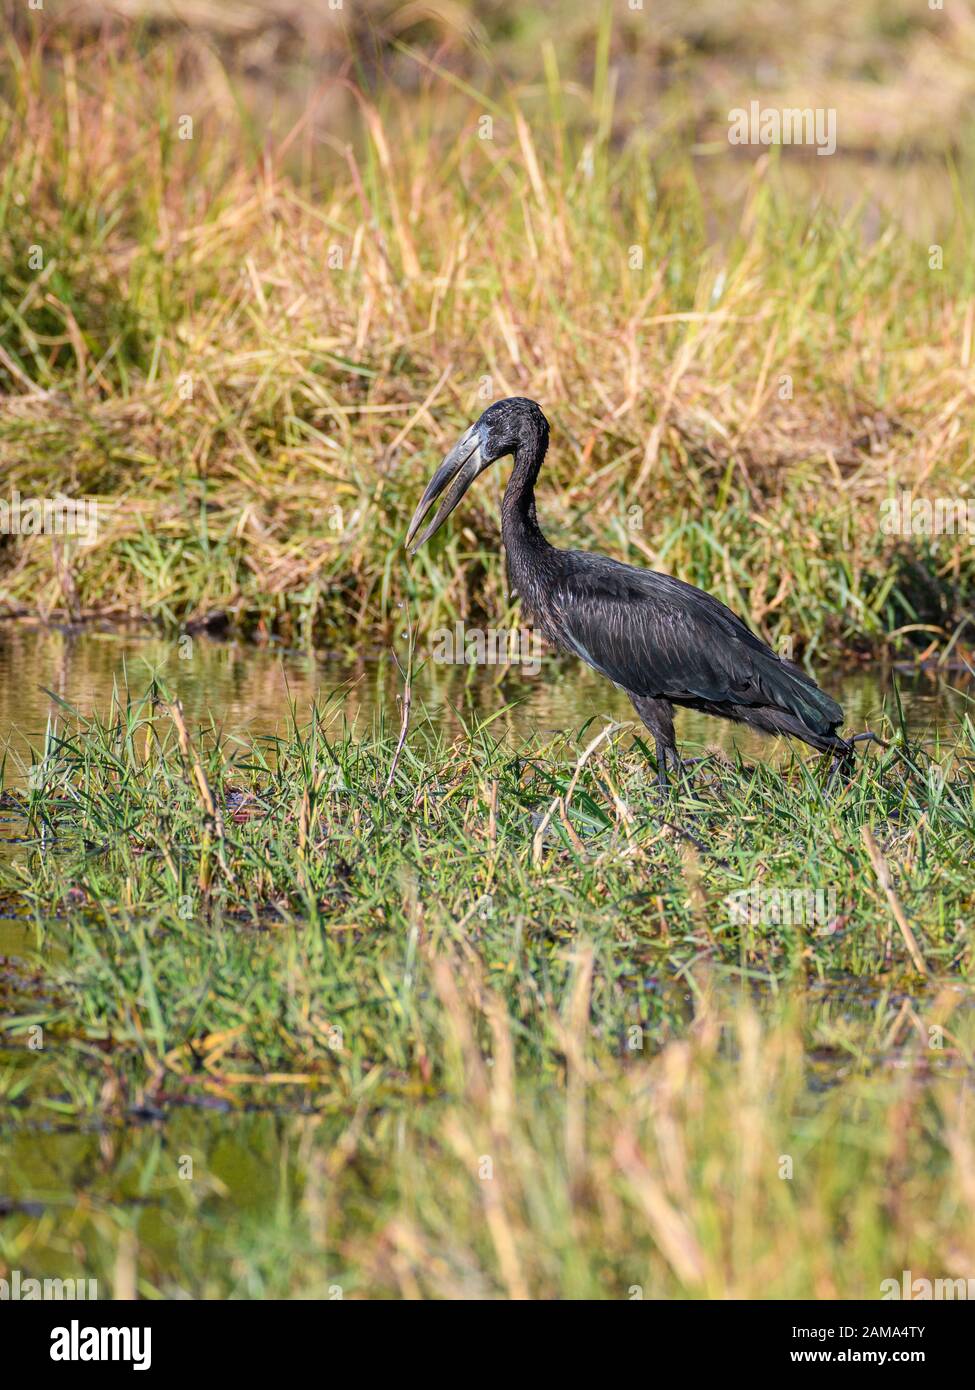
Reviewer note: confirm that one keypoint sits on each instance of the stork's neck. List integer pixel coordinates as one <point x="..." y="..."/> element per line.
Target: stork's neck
<point x="529" y="554"/>
<point x="519" y="523"/>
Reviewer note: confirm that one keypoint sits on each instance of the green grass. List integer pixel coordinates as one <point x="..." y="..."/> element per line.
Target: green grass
<point x="385" y="986"/>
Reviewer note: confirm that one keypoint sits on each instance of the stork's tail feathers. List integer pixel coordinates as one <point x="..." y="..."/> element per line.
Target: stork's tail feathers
<point x="798" y="693"/>
<point x="815" y="717"/>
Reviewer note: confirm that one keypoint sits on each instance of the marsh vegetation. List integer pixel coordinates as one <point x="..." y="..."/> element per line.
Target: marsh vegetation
<point x="293" y="1005"/>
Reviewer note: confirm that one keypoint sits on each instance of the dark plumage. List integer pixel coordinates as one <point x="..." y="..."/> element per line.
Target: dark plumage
<point x="663" y="641"/>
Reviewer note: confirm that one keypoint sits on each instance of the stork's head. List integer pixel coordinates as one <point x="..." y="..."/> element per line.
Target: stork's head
<point x="500" y="430"/>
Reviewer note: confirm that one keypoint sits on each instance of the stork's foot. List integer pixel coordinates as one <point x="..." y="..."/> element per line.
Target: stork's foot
<point x="844" y="763"/>
<point x="686" y="835"/>
<point x="868" y="736"/>
<point x="669" y="761"/>
<point x="677" y="770"/>
<point x="839" y="772"/>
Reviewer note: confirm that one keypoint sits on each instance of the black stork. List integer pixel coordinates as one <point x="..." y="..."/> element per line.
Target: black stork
<point x="663" y="641"/>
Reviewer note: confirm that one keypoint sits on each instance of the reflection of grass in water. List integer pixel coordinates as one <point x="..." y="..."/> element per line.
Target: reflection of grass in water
<point x="653" y="1056"/>
<point x="264" y="413"/>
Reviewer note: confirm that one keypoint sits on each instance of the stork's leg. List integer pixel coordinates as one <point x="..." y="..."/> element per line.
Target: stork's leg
<point x="845" y="762"/>
<point x="658" y="716"/>
<point x="663" y="753"/>
<point x="842" y="765"/>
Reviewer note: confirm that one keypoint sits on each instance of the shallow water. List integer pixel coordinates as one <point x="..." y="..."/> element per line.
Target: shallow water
<point x="246" y="688"/>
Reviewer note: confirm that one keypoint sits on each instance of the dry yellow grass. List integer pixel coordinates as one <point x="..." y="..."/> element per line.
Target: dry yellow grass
<point x="253" y="352"/>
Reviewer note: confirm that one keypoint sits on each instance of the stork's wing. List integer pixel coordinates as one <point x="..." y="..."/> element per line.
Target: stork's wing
<point x="657" y="636"/>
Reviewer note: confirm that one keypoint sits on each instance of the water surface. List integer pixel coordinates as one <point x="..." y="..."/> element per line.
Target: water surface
<point x="248" y="689"/>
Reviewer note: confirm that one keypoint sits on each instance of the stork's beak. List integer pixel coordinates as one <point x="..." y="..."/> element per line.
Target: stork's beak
<point x="459" y="468"/>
